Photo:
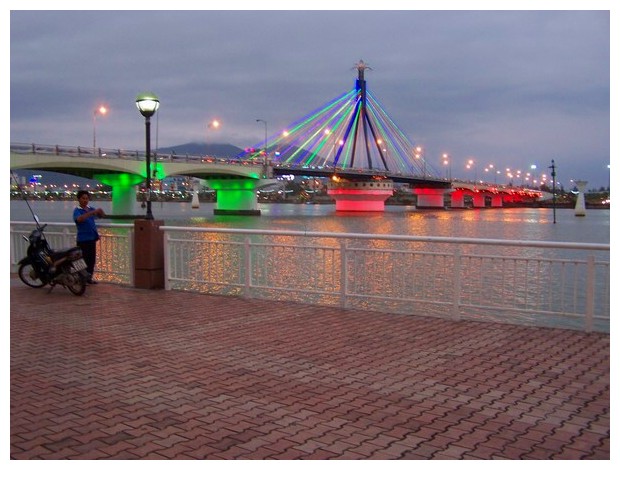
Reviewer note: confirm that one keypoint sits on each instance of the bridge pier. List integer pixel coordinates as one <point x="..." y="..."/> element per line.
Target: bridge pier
<point x="360" y="196"/>
<point x="236" y="196"/>
<point x="457" y="199"/>
<point x="580" y="204"/>
<point x="124" y="189"/>
<point x="479" y="199"/>
<point x="430" y="197"/>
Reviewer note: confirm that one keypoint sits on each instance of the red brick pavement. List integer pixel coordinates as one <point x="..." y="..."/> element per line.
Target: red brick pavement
<point x="123" y="373"/>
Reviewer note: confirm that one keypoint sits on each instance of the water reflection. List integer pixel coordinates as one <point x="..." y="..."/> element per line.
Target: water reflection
<point x="502" y="223"/>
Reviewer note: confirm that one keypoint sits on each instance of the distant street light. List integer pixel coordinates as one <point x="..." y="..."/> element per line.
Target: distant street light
<point x="101" y="110"/>
<point x="148" y="104"/>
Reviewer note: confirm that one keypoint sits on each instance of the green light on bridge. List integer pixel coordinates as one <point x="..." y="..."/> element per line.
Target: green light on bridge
<point x="119" y="179"/>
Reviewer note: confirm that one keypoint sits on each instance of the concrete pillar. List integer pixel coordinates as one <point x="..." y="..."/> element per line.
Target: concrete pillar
<point x="195" y="200"/>
<point x="360" y="196"/>
<point x="479" y="200"/>
<point x="124" y="189"/>
<point x="148" y="254"/>
<point x="496" y="200"/>
<point x="457" y="199"/>
<point x="236" y="196"/>
<point x="430" y="197"/>
<point x="124" y="200"/>
<point x="580" y="204"/>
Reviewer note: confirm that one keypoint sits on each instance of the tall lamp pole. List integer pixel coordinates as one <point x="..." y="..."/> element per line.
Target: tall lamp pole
<point x="446" y="162"/>
<point x="265" y="146"/>
<point x="148" y="103"/>
<point x="552" y="167"/>
<point x="214" y="124"/>
<point x="101" y="110"/>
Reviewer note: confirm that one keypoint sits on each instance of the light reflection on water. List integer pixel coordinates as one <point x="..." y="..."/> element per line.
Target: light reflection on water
<point x="523" y="224"/>
<point x="502" y="223"/>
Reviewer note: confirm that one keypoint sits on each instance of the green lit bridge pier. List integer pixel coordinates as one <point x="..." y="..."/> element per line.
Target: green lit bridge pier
<point x="124" y="190"/>
<point x="237" y="196"/>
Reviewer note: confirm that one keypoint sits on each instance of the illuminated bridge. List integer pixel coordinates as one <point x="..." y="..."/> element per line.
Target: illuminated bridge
<point x="350" y="140"/>
<point x="236" y="180"/>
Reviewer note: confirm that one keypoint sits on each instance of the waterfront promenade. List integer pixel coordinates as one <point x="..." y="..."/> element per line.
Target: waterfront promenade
<point x="124" y="373"/>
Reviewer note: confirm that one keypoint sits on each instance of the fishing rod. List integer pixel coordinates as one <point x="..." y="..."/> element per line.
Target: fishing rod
<point x="23" y="194"/>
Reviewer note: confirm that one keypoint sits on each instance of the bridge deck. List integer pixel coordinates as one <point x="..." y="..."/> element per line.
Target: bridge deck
<point x="123" y="373"/>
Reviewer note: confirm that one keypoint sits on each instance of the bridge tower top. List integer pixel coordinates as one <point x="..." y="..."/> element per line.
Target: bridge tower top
<point x="361" y="66"/>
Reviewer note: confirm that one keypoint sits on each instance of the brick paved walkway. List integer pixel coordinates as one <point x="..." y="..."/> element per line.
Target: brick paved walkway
<point x="123" y="373"/>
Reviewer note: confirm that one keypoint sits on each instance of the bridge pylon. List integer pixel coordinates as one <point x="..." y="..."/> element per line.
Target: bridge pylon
<point x="237" y="196"/>
<point x="360" y="196"/>
<point x="124" y="190"/>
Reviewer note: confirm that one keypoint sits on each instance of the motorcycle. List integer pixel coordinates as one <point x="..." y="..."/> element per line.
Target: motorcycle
<point x="43" y="266"/>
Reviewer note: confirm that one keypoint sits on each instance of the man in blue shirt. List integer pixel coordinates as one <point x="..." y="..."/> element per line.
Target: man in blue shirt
<point x="87" y="235"/>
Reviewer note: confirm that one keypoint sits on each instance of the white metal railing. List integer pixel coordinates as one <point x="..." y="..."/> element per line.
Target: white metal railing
<point x="115" y="250"/>
<point x="528" y="282"/>
<point x="535" y="283"/>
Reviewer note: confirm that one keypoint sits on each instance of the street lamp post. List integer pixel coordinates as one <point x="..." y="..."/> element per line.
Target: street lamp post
<point x="419" y="155"/>
<point x="552" y="167"/>
<point x="101" y="110"/>
<point x="446" y="162"/>
<point x="470" y="164"/>
<point x="214" y="124"/>
<point x="265" y="145"/>
<point x="148" y="103"/>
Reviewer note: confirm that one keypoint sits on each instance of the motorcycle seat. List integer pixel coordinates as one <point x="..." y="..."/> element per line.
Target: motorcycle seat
<point x="63" y="252"/>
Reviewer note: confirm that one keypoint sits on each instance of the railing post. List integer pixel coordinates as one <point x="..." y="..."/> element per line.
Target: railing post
<point x="344" y="280"/>
<point x="14" y="255"/>
<point x="589" y="312"/>
<point x="166" y="261"/>
<point x="247" y="246"/>
<point x="67" y="237"/>
<point x="456" y="294"/>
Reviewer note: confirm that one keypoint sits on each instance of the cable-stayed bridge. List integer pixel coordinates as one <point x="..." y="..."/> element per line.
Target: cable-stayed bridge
<point x="350" y="140"/>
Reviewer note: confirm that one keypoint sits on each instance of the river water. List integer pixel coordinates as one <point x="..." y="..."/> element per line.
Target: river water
<point x="492" y="223"/>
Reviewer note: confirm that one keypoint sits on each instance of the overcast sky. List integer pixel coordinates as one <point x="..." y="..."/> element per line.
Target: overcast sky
<point x="512" y="88"/>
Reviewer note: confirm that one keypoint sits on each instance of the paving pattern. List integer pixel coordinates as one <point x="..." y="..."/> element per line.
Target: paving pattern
<point x="124" y="373"/>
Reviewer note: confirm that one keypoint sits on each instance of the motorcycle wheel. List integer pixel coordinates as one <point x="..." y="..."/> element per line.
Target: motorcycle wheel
<point x="28" y="275"/>
<point x="76" y="284"/>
